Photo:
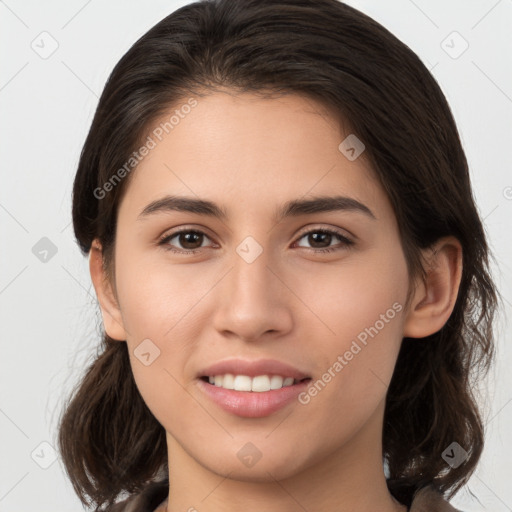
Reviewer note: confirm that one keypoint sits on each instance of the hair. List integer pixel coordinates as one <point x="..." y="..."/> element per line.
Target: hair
<point x="333" y="54"/>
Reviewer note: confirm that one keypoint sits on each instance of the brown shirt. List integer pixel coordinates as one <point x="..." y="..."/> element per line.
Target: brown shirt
<point x="425" y="500"/>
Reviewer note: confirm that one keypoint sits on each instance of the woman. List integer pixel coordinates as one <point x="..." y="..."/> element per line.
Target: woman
<point x="292" y="273"/>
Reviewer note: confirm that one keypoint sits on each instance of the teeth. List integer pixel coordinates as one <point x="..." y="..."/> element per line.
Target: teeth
<point x="276" y="382"/>
<point x="288" y="381"/>
<point x="228" y="381"/>
<point x="244" y="383"/>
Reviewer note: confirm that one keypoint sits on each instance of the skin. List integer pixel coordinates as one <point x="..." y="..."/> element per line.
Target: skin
<point x="250" y="155"/>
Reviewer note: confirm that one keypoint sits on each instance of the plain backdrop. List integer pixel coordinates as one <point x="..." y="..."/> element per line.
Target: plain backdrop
<point x="55" y="58"/>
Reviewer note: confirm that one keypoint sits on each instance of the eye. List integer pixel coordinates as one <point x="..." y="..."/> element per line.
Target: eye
<point x="187" y="237"/>
<point x="325" y="236"/>
<point x="191" y="240"/>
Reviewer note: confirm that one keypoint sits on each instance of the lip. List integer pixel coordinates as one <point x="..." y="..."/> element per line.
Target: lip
<point x="253" y="369"/>
<point x="250" y="404"/>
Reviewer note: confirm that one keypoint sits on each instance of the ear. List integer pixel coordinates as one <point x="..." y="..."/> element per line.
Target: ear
<point x="110" y="311"/>
<point x="435" y="297"/>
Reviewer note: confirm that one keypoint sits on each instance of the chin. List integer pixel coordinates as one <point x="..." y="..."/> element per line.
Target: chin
<point x="277" y="467"/>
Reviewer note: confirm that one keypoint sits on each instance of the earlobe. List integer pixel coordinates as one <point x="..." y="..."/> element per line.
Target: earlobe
<point x="110" y="311"/>
<point x="434" y="298"/>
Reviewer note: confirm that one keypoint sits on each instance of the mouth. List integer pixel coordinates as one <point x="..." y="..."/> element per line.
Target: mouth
<point x="252" y="388"/>
<point x="252" y="397"/>
<point x="257" y="384"/>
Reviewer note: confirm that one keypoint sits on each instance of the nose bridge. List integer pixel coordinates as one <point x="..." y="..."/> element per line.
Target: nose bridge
<point x="251" y="279"/>
<point x="251" y="300"/>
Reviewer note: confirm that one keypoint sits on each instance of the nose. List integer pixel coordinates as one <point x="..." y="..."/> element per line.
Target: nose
<point x="253" y="300"/>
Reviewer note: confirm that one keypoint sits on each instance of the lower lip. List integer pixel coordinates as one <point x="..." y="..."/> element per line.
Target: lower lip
<point x="252" y="404"/>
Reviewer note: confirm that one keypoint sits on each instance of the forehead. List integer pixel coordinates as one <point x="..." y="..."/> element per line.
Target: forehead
<point x="250" y="151"/>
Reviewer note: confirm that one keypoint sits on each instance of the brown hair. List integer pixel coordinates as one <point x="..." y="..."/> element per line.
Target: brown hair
<point x="331" y="53"/>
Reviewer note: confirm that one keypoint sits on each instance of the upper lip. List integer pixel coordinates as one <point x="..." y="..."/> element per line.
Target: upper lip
<point x="252" y="368"/>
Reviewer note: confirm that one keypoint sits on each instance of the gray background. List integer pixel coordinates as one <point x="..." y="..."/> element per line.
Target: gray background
<point x="48" y="312"/>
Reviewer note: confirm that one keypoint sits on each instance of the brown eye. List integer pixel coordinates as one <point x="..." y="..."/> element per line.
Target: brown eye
<point x="320" y="240"/>
<point x="188" y="241"/>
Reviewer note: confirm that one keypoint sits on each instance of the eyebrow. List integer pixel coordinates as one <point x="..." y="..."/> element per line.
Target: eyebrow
<point x="293" y="208"/>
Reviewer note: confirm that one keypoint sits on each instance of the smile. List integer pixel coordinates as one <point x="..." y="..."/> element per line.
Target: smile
<point x="258" y="384"/>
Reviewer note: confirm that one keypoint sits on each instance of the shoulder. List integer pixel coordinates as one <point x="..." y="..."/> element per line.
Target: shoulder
<point x="428" y="499"/>
<point x="146" y="501"/>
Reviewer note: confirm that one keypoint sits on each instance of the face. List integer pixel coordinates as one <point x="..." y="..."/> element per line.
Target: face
<point x="320" y="290"/>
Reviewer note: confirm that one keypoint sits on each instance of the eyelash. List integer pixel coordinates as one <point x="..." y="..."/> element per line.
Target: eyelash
<point x="163" y="241"/>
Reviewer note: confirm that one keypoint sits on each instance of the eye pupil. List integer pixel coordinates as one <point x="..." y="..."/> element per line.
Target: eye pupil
<point x="184" y="239"/>
<point x="319" y="235"/>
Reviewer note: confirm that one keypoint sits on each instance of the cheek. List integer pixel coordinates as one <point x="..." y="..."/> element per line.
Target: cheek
<point x="364" y="292"/>
<point x="158" y="302"/>
<point x="159" y="307"/>
<point x="157" y="296"/>
<point x="357" y="330"/>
